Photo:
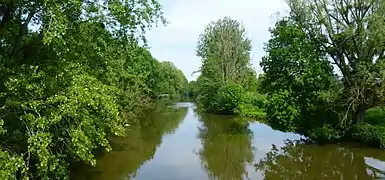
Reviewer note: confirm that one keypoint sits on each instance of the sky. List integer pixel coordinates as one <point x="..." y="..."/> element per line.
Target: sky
<point x="177" y="41"/>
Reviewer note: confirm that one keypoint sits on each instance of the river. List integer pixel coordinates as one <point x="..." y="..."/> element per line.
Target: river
<point x="180" y="143"/>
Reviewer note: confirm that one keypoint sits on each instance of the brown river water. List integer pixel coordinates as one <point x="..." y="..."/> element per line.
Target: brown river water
<point x="179" y="143"/>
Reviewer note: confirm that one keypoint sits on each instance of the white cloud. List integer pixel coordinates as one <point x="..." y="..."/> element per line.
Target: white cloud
<point x="176" y="42"/>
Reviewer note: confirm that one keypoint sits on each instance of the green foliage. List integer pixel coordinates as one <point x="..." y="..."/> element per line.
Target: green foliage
<point x="375" y="115"/>
<point x="297" y="80"/>
<point x="207" y="93"/>
<point x="193" y="89"/>
<point x="251" y="111"/>
<point x="282" y="111"/>
<point x="368" y="134"/>
<point x="225" y="51"/>
<point x="226" y="74"/>
<point x="253" y="105"/>
<point x="76" y="78"/>
<point x="354" y="44"/>
<point x="303" y="94"/>
<point x="11" y="166"/>
<point x="228" y="97"/>
<point x="326" y="133"/>
<point x="173" y="82"/>
<point x="255" y="99"/>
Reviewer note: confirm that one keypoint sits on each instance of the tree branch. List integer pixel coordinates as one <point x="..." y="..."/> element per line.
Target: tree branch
<point x="22" y="29"/>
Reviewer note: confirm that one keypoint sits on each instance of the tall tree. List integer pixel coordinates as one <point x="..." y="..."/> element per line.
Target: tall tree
<point x="352" y="32"/>
<point x="225" y="71"/>
<point x="297" y="73"/>
<point x="224" y="49"/>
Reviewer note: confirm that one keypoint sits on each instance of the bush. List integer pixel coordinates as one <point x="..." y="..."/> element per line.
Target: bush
<point x="251" y="111"/>
<point x="375" y="115"/>
<point x="228" y="98"/>
<point x="368" y="134"/>
<point x="253" y="105"/>
<point x="256" y="99"/>
<point x="282" y="111"/>
<point x="325" y="133"/>
<point x="207" y="94"/>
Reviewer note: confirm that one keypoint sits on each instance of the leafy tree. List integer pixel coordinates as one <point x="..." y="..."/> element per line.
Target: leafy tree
<point x="297" y="78"/>
<point x="352" y="34"/>
<point x="225" y="70"/>
<point x="172" y="81"/>
<point x="193" y="89"/>
<point x="228" y="98"/>
<point x="224" y="49"/>
<point x="72" y="73"/>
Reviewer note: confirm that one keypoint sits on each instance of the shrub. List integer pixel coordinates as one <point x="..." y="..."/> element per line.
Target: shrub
<point x="251" y="111"/>
<point x="207" y="94"/>
<point x="282" y="111"/>
<point x="252" y="105"/>
<point x="325" y="133"/>
<point x="368" y="134"/>
<point x="228" y="98"/>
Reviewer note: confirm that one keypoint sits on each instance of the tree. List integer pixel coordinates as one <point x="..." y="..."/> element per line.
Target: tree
<point x="192" y="89"/>
<point x="352" y="33"/>
<point x="72" y="72"/>
<point x="225" y="70"/>
<point x="171" y="80"/>
<point x="224" y="49"/>
<point x="297" y="78"/>
<point x="53" y="18"/>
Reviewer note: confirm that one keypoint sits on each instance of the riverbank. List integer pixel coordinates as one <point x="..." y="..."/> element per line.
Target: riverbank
<point x="371" y="132"/>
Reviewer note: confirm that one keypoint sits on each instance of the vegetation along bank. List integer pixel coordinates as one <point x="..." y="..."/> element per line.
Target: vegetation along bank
<point x="74" y="72"/>
<point x="322" y="74"/>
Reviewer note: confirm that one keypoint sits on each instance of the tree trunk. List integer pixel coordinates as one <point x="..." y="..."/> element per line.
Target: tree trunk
<point x="360" y="114"/>
<point x="7" y="16"/>
<point x="23" y="29"/>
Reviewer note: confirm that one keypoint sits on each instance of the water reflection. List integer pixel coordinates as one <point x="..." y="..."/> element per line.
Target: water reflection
<point x="140" y="144"/>
<point x="296" y="160"/>
<point x="226" y="146"/>
<point x="207" y="146"/>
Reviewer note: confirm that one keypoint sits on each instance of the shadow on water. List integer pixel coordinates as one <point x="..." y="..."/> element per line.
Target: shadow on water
<point x="226" y="146"/>
<point x="297" y="160"/>
<point x="130" y="152"/>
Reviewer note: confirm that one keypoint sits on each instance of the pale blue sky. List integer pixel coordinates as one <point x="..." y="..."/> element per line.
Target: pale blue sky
<point x="177" y="41"/>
